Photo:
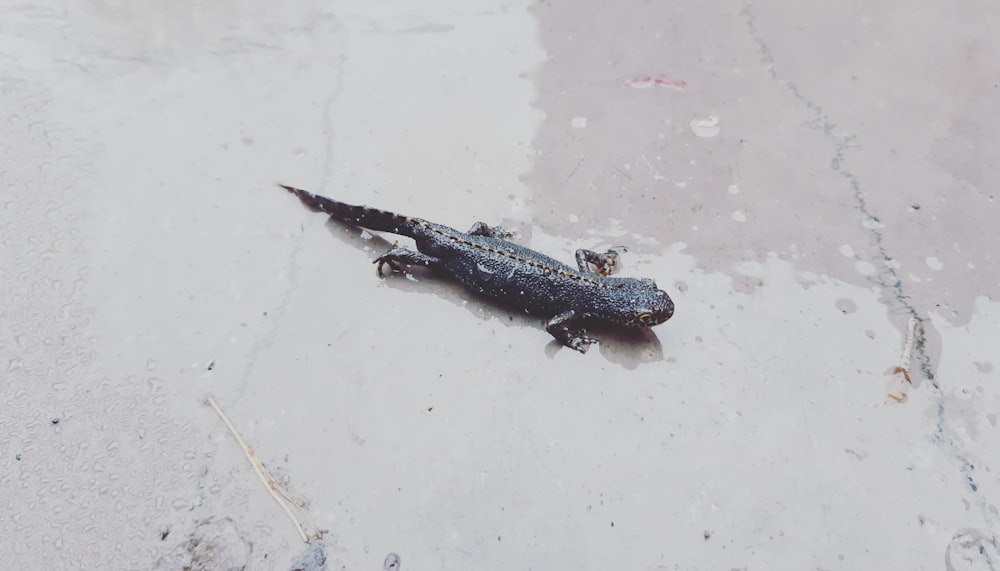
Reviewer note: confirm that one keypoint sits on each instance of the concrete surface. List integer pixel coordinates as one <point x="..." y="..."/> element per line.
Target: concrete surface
<point x="803" y="178"/>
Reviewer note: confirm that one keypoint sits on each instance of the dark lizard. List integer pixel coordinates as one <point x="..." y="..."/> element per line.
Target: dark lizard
<point x="485" y="262"/>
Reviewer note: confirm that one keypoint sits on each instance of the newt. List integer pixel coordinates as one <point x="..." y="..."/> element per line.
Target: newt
<point x="484" y="261"/>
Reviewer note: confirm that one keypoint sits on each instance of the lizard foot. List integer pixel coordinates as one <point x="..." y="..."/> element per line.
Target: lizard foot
<point x="580" y="342"/>
<point x="604" y="264"/>
<point x="398" y="257"/>
<point x="484" y="229"/>
<point x="561" y="327"/>
<point x="382" y="262"/>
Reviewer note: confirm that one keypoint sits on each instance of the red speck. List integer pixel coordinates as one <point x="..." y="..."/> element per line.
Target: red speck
<point x="430" y="408"/>
<point x="676" y="83"/>
<point x="647" y="81"/>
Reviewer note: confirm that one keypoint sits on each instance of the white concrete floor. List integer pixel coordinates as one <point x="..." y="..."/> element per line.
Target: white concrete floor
<point x="802" y="178"/>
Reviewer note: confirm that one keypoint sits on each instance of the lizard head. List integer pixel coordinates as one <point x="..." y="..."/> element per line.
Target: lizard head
<point x="638" y="303"/>
<point x="651" y="307"/>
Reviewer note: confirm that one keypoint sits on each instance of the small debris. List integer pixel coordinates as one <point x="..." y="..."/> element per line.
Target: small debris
<point x="213" y="544"/>
<point x="55" y="421"/>
<point x="906" y="373"/>
<point x="391" y="563"/>
<point x="211" y="365"/>
<point x="313" y="558"/>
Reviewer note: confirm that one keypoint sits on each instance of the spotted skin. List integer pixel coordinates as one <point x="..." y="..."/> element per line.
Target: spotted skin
<point x="484" y="261"/>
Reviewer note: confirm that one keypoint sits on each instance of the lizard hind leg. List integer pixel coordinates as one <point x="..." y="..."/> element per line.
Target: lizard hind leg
<point x="604" y="264"/>
<point x="398" y="257"/>
<point x="484" y="229"/>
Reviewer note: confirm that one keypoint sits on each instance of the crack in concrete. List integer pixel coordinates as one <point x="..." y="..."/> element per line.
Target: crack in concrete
<point x="265" y="340"/>
<point x="887" y="278"/>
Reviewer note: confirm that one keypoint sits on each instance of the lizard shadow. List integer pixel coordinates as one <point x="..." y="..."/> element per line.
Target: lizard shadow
<point x="625" y="346"/>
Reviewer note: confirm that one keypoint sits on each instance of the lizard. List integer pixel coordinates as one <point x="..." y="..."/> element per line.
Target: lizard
<point x="484" y="261"/>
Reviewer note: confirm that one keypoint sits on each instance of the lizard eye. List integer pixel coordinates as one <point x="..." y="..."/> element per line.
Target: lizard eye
<point x="645" y="318"/>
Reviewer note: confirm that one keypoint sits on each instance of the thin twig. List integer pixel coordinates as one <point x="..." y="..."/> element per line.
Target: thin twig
<point x="277" y="492"/>
<point x="911" y="339"/>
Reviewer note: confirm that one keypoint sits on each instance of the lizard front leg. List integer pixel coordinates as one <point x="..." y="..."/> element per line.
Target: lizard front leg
<point x="604" y="263"/>
<point x="560" y="327"/>
<point x="396" y="257"/>
<point x="484" y="229"/>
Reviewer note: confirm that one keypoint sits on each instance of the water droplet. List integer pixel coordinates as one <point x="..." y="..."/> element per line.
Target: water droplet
<point x="707" y="127"/>
<point x="864" y="268"/>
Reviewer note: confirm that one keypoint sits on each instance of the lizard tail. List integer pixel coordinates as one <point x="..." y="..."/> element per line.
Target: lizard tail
<point x="371" y="218"/>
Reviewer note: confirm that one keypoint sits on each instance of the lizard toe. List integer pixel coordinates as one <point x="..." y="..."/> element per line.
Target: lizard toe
<point x="581" y="343"/>
<point x="383" y="261"/>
